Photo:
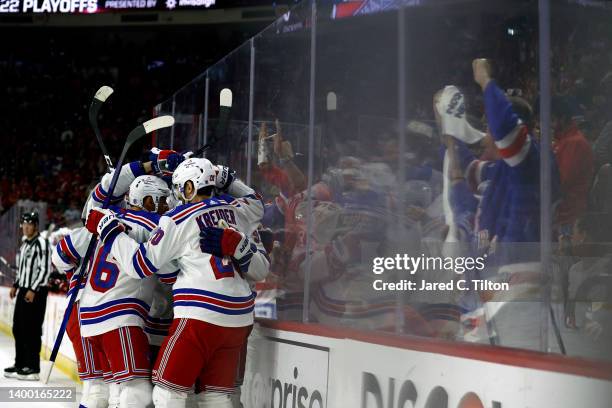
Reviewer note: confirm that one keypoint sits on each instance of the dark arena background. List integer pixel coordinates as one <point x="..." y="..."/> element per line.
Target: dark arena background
<point x="435" y="177"/>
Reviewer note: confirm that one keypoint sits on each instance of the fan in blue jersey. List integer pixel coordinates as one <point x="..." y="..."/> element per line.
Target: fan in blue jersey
<point x="507" y="215"/>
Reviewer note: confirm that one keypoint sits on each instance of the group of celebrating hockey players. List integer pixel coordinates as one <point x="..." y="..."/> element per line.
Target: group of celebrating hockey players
<point x="164" y="315"/>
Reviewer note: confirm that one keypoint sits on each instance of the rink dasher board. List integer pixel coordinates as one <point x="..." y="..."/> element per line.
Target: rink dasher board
<point x="346" y="372"/>
<point x="340" y="371"/>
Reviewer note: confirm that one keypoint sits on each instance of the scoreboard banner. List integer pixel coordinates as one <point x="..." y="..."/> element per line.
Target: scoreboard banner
<point x="97" y="6"/>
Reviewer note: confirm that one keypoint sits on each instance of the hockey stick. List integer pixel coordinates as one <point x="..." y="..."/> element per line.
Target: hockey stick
<point x="557" y="331"/>
<point x="225" y="106"/>
<point x="99" y="98"/>
<point x="135" y="135"/>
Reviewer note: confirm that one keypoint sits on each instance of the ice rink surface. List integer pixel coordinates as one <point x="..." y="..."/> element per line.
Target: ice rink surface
<point x="58" y="379"/>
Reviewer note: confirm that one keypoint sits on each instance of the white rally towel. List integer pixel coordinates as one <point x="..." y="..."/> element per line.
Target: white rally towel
<point x="451" y="108"/>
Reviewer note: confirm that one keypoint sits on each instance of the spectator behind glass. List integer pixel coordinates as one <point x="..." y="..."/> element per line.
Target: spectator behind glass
<point x="574" y="157"/>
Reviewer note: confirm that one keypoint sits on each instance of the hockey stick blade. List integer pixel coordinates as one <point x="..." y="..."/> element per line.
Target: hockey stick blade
<point x="139" y="131"/>
<point x="103" y="93"/>
<point x="158" y="123"/>
<point x="45" y="370"/>
<point x="147" y="127"/>
<point x="225" y="107"/>
<point x="225" y="98"/>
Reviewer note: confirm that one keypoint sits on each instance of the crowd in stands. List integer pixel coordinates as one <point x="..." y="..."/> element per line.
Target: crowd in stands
<point x="49" y="77"/>
<point x="364" y="207"/>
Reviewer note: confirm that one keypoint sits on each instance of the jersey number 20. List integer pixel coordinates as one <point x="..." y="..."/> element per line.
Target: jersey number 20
<point x="105" y="272"/>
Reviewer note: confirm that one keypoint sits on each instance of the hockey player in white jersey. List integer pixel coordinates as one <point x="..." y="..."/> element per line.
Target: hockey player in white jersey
<point x="114" y="307"/>
<point x="67" y="257"/>
<point x="213" y="300"/>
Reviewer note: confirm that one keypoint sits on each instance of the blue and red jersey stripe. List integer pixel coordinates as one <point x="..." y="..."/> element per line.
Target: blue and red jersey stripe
<point x="67" y="252"/>
<point x="99" y="195"/>
<point x="112" y="309"/>
<point x="143" y="221"/>
<point x="143" y="266"/>
<point x="168" y="278"/>
<point x="230" y="305"/>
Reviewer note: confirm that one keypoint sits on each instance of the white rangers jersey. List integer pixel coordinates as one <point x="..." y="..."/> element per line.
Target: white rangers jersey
<point x="67" y="259"/>
<point x="111" y="298"/>
<point x="129" y="172"/>
<point x="207" y="288"/>
<point x="68" y="252"/>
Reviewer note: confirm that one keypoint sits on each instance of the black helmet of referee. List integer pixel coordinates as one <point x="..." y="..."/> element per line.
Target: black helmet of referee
<point x="29" y="218"/>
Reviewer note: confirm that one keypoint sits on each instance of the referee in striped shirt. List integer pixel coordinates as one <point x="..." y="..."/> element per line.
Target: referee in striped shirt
<point x="30" y="288"/>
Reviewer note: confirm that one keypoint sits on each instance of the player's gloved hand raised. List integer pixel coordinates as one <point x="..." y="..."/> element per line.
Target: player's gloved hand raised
<point x="104" y="223"/>
<point x="225" y="177"/>
<point x="164" y="162"/>
<point x="222" y="242"/>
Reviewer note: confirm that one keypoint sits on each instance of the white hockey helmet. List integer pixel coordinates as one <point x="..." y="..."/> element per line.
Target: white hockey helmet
<point x="200" y="172"/>
<point x="144" y="186"/>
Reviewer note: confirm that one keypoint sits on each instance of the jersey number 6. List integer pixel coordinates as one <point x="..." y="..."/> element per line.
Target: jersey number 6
<point x="105" y="272"/>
